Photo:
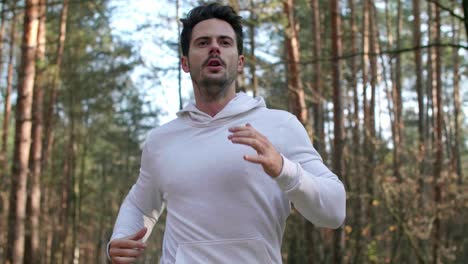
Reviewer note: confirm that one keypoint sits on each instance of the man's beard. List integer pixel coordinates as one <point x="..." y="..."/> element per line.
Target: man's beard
<point x="215" y="88"/>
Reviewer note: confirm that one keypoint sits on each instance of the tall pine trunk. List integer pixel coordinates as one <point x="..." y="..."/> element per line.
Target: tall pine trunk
<point x="8" y="91"/>
<point x="438" y="148"/>
<point x="318" y="138"/>
<point x="49" y="121"/>
<point x="370" y="124"/>
<point x="5" y="133"/>
<point x="22" y="146"/>
<point x="419" y="92"/>
<point x="68" y="172"/>
<point x="2" y="31"/>
<point x="179" y="54"/>
<point x="297" y="104"/>
<point x="356" y="153"/>
<point x="34" y="199"/>
<point x="253" y="59"/>
<point x="338" y="142"/>
<point x="397" y="100"/>
<point x="317" y="105"/>
<point x="367" y="176"/>
<point x="457" y="108"/>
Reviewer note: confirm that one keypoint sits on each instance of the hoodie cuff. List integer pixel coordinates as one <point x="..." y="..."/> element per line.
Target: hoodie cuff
<point x="289" y="177"/>
<point x="107" y="252"/>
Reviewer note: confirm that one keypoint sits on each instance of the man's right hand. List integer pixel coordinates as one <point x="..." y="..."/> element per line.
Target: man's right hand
<point x="127" y="249"/>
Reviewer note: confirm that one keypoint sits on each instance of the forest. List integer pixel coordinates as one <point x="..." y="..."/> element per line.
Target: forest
<point x="381" y="87"/>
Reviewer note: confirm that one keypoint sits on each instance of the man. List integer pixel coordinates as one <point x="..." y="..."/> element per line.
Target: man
<point x="227" y="168"/>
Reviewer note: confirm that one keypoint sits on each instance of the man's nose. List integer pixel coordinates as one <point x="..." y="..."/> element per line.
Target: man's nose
<point x="214" y="49"/>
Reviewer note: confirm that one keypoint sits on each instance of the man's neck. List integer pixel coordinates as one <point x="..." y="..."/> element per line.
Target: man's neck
<point x="213" y="106"/>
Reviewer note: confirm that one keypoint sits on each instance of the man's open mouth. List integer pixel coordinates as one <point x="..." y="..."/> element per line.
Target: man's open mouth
<point x="214" y="63"/>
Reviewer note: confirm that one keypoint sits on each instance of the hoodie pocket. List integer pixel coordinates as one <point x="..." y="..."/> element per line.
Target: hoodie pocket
<point x="223" y="251"/>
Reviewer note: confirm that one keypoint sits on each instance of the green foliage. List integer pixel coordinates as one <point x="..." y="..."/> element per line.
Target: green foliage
<point x="105" y="117"/>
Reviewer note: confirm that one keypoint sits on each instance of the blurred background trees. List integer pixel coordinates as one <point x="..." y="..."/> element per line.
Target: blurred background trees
<point x="381" y="87"/>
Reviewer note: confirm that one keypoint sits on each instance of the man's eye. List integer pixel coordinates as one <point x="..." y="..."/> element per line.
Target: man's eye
<point x="226" y="42"/>
<point x="202" y="43"/>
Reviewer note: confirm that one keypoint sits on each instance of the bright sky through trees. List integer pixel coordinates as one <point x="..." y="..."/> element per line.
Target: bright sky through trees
<point x="142" y="23"/>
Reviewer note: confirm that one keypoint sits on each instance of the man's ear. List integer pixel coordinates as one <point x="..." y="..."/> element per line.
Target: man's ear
<point x="184" y="64"/>
<point x="240" y="63"/>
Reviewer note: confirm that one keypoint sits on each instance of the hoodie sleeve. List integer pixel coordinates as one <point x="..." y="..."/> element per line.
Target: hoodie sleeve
<point x="143" y="204"/>
<point x="315" y="191"/>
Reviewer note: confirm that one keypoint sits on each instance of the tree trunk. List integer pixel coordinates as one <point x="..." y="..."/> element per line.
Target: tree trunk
<point x="370" y="124"/>
<point x="78" y="187"/>
<point x="23" y="134"/>
<point x="338" y="143"/>
<point x="7" y="104"/>
<point x="297" y="104"/>
<point x="5" y="128"/>
<point x="49" y="121"/>
<point x="465" y="11"/>
<point x="438" y="142"/>
<point x="397" y="100"/>
<point x="68" y="172"/>
<point x="318" y="138"/>
<point x="356" y="153"/>
<point x="3" y="152"/>
<point x="431" y="83"/>
<point x="419" y="89"/>
<point x="367" y="167"/>
<point x="179" y="52"/>
<point x="317" y="105"/>
<point x="240" y="81"/>
<point x="34" y="199"/>
<point x="2" y="29"/>
<point x="457" y="107"/>
<point x="253" y="59"/>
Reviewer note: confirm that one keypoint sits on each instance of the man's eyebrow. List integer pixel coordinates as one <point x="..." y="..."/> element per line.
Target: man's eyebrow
<point x="203" y="37"/>
<point x="208" y="37"/>
<point x="224" y="36"/>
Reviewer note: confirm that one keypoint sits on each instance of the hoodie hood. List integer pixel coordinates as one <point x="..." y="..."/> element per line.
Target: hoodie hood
<point x="239" y="105"/>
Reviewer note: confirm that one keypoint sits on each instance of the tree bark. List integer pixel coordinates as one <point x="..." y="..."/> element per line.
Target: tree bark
<point x="356" y="159"/>
<point x="7" y="103"/>
<point x="370" y="124"/>
<point x="23" y="134"/>
<point x="34" y="199"/>
<point x="253" y="59"/>
<point x="317" y="105"/>
<point x="338" y="142"/>
<point x="431" y="83"/>
<point x="297" y="104"/>
<point x="420" y="95"/>
<point x="465" y="11"/>
<point x="49" y="121"/>
<point x="457" y="108"/>
<point x="397" y="100"/>
<point x="318" y="138"/>
<point x="438" y="143"/>
<point x="68" y="172"/>
<point x="179" y="52"/>
<point x="2" y="29"/>
<point x="5" y="132"/>
<point x="3" y="152"/>
<point x="240" y="81"/>
<point x="367" y="166"/>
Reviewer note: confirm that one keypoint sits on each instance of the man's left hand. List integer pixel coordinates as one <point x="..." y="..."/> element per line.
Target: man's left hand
<point x="267" y="156"/>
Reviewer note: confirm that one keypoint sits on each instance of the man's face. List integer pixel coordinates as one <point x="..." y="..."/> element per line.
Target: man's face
<point x="213" y="60"/>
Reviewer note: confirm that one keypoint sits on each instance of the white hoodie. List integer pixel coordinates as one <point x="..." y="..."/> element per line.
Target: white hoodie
<point x="221" y="208"/>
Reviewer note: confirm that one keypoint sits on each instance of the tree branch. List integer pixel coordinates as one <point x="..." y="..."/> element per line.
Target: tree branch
<point x="382" y="52"/>
<point x="451" y="12"/>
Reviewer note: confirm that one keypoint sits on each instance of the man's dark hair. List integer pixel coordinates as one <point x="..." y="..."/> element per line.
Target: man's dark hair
<point x="209" y="11"/>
